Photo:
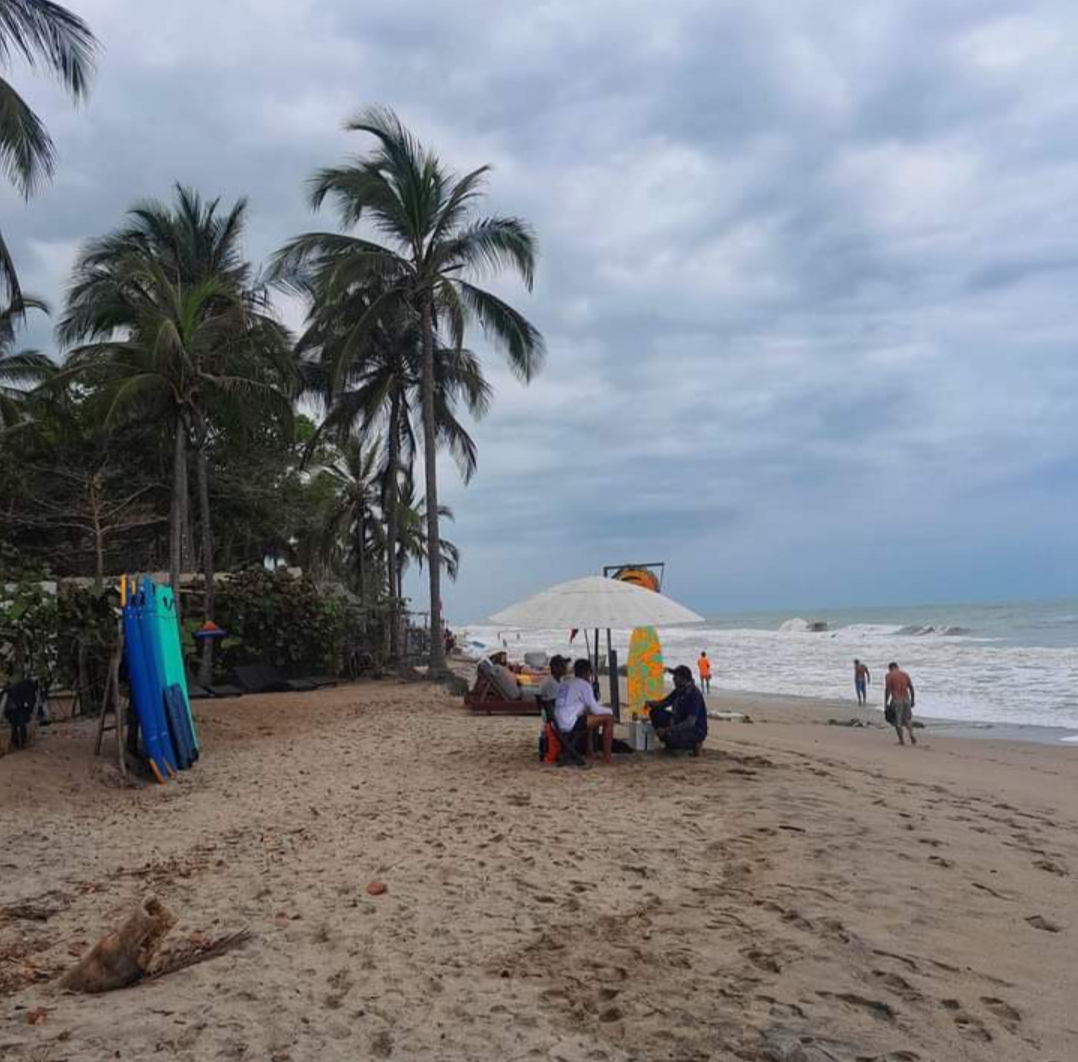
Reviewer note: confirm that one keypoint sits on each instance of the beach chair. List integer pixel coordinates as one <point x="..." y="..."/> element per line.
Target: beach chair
<point x="489" y="695"/>
<point x="266" y="678"/>
<point x="568" y="743"/>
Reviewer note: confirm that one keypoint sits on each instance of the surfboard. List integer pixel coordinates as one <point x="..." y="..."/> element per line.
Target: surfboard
<point x="642" y="577"/>
<point x="175" y="675"/>
<point x="644" y="668"/>
<point x="157" y="617"/>
<point x="149" y="705"/>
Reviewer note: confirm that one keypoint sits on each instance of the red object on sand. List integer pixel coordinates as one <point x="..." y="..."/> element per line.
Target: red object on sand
<point x="375" y="888"/>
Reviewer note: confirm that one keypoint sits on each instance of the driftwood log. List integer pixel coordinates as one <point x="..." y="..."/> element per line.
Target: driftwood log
<point x="123" y="956"/>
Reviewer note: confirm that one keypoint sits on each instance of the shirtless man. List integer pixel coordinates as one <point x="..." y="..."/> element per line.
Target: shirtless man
<point x="861" y="679"/>
<point x="899" y="696"/>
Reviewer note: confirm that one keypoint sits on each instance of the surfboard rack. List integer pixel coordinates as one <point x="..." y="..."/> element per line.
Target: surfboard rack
<point x="113" y="703"/>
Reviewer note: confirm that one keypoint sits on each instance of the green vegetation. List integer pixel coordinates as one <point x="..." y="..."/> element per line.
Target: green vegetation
<point x="180" y="426"/>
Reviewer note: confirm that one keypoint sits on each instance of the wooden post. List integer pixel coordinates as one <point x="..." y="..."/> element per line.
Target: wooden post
<point x="112" y="697"/>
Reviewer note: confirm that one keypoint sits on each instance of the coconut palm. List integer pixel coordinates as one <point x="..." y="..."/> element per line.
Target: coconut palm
<point x="178" y="332"/>
<point x="435" y="248"/>
<point x="19" y="369"/>
<point x="413" y="538"/>
<point x="40" y="33"/>
<point x="373" y="390"/>
<point x="355" y="475"/>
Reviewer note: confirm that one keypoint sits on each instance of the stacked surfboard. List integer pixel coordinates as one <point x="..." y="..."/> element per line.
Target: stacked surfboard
<point x="156" y="676"/>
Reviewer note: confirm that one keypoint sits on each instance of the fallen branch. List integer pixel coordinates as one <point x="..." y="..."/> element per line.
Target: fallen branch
<point x="197" y="950"/>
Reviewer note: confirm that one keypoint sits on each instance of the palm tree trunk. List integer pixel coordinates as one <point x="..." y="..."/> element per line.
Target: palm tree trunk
<point x="391" y="496"/>
<point x="176" y="516"/>
<point x="430" y="462"/>
<point x="361" y="554"/>
<point x="205" y="673"/>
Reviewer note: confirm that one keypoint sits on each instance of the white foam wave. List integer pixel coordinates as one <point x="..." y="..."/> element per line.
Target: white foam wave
<point x="956" y="677"/>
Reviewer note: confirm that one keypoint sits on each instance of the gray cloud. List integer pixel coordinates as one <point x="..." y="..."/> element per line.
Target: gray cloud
<point x="807" y="276"/>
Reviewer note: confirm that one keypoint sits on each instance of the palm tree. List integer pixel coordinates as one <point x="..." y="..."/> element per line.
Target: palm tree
<point x="179" y="333"/>
<point x="435" y="247"/>
<point x="40" y="33"/>
<point x="413" y="542"/>
<point x="356" y="478"/>
<point x="19" y="368"/>
<point x="373" y="389"/>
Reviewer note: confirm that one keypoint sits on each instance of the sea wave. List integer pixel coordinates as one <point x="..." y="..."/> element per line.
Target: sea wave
<point x="957" y="676"/>
<point x="942" y="630"/>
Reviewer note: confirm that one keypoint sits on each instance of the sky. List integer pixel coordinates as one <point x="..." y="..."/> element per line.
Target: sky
<point x="807" y="275"/>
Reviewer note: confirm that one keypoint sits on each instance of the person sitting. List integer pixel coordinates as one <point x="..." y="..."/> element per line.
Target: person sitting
<point x="576" y="708"/>
<point x="551" y="685"/>
<point x="680" y="718"/>
<point x="495" y="669"/>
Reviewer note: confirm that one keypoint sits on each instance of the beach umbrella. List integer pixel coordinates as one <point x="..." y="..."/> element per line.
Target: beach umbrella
<point x="597" y="603"/>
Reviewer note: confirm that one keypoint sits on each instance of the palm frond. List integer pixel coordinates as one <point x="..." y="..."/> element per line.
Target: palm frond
<point x="27" y="154"/>
<point x="490" y="245"/>
<point x="507" y="328"/>
<point x="47" y="34"/>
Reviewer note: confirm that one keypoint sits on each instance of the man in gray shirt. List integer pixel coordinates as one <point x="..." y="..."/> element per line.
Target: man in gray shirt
<point x="548" y="688"/>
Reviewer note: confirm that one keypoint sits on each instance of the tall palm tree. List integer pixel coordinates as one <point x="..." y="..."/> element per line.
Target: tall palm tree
<point x="373" y="389"/>
<point x="19" y="369"/>
<point x="435" y="248"/>
<point x="41" y="33"/>
<point x="179" y="331"/>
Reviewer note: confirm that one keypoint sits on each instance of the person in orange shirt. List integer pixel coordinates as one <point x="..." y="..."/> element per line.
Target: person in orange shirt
<point x="703" y="665"/>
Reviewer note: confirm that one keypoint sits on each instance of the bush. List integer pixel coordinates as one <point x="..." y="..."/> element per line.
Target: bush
<point x="280" y="619"/>
<point x="62" y="636"/>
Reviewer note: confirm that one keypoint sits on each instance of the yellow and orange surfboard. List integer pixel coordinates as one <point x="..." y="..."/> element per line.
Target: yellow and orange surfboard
<point x="644" y="668"/>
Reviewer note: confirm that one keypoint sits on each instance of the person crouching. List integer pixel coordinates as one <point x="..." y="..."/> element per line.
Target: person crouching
<point x="680" y="718"/>
<point x="577" y="709"/>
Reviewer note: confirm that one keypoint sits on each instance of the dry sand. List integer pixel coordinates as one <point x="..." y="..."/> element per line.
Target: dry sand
<point x="800" y="892"/>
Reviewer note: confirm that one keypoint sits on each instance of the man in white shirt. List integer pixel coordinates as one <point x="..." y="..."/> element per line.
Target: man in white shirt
<point x="576" y="706"/>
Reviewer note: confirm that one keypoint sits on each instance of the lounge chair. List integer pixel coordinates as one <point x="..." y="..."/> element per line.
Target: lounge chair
<point x="196" y="691"/>
<point x="492" y="695"/>
<point x="265" y="678"/>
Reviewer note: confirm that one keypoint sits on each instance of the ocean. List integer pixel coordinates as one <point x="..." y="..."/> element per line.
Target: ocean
<point x="1005" y="663"/>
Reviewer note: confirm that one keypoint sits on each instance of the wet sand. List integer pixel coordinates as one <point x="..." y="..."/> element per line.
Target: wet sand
<point x="801" y="892"/>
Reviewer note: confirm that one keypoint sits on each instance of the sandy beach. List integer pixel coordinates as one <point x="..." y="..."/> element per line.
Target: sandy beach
<point x="800" y="893"/>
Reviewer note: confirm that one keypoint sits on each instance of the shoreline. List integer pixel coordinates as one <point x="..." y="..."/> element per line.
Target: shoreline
<point x="774" y="706"/>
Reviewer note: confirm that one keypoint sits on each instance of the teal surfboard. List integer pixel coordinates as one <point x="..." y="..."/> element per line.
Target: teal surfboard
<point x="175" y="674"/>
<point x="154" y="622"/>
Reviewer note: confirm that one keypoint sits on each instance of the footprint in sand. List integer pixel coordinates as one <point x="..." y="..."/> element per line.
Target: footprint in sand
<point x="876" y="1007"/>
<point x="1048" y="865"/>
<point x="1040" y="922"/>
<point x="970" y="1027"/>
<point x="1004" y="1011"/>
<point x="897" y="984"/>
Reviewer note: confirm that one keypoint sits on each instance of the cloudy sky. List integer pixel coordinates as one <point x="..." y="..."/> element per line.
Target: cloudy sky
<point x="808" y="279"/>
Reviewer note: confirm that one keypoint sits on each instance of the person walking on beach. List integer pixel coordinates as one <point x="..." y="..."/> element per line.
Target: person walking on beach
<point x="861" y="679"/>
<point x="898" y="701"/>
<point x="703" y="665"/>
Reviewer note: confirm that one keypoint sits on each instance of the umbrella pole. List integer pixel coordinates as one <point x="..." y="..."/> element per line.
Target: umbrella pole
<point x="612" y="666"/>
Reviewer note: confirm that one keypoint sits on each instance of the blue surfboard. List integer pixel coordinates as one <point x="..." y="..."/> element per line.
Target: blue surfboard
<point x="148" y="708"/>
